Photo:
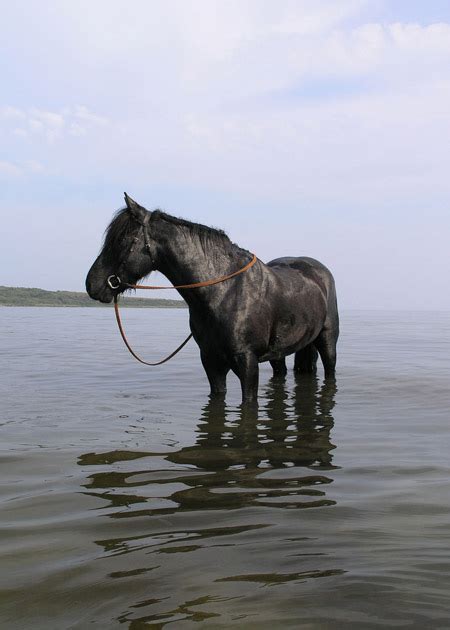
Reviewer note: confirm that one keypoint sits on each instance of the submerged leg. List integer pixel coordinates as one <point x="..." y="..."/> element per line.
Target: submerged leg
<point x="306" y="360"/>
<point x="216" y="371"/>
<point x="245" y="366"/>
<point x="279" y="367"/>
<point x="326" y="345"/>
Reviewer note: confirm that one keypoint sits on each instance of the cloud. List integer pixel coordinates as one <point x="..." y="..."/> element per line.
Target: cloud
<point x="19" y="132"/>
<point x="268" y="99"/>
<point x="33" y="166"/>
<point x="83" y="114"/>
<point x="259" y="122"/>
<point x="8" y="169"/>
<point x="50" y="126"/>
<point x="11" y="113"/>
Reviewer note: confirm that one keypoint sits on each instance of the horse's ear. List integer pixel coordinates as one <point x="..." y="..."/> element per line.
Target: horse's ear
<point x="134" y="207"/>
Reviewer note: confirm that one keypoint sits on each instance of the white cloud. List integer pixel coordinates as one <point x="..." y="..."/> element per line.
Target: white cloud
<point x="83" y="114"/>
<point x="20" y="133"/>
<point x="13" y="113"/>
<point x="8" y="169"/>
<point x="49" y="125"/>
<point x="258" y="123"/>
<point x="33" y="166"/>
<point x="12" y="170"/>
<point x="271" y="99"/>
<point x="76" y="130"/>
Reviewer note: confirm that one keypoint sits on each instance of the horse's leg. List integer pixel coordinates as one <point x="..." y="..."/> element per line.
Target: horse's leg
<point x="326" y="345"/>
<point x="216" y="371"/>
<point x="306" y="360"/>
<point x="279" y="367"/>
<point x="245" y="366"/>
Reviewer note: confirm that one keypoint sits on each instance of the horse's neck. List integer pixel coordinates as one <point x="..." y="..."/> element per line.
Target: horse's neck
<point x="185" y="261"/>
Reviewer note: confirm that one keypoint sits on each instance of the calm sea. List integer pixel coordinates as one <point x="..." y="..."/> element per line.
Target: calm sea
<point x="127" y="500"/>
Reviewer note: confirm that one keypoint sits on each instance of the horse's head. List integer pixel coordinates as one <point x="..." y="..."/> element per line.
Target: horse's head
<point x="128" y="253"/>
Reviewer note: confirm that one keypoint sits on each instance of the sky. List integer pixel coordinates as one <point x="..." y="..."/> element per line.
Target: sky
<point x="301" y="127"/>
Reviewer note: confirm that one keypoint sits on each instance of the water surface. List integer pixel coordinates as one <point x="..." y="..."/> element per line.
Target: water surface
<point x="127" y="499"/>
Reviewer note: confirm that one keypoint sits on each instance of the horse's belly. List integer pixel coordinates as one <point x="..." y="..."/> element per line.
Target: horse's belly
<point x="289" y="335"/>
<point x="278" y="351"/>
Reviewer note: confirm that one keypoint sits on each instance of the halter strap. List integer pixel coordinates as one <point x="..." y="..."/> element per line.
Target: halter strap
<point x="196" y="285"/>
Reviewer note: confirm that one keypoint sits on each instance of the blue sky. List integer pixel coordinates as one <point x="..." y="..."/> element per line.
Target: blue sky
<point x="315" y="128"/>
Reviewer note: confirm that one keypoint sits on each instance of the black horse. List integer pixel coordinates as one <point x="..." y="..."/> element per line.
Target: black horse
<point x="264" y="314"/>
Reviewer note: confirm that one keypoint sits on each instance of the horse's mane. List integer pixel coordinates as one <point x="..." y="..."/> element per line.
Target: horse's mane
<point x="207" y="235"/>
<point x="120" y="227"/>
<point x="123" y="225"/>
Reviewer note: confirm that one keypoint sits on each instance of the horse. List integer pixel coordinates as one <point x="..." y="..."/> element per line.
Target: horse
<point x="287" y="306"/>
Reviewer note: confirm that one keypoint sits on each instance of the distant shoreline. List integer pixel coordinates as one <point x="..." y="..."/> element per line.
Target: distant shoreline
<point x="22" y="296"/>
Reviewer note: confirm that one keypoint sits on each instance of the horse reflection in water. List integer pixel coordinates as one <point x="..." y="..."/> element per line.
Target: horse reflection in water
<point x="236" y="493"/>
<point x="278" y="438"/>
<point x="253" y="458"/>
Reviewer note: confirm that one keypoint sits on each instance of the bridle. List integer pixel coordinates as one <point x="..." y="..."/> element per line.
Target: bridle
<point x="195" y="285"/>
<point x="143" y="226"/>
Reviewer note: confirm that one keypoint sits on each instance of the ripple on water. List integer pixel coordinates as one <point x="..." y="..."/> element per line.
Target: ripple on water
<point x="128" y="500"/>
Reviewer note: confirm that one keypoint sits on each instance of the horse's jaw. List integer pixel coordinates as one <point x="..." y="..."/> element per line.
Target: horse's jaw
<point x="105" y="295"/>
<point x="104" y="300"/>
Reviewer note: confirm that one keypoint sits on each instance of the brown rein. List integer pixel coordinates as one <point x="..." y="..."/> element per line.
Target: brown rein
<point x="194" y="285"/>
<point x="125" y="340"/>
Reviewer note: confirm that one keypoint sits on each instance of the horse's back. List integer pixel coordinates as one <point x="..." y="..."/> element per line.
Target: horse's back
<point x="298" y="262"/>
<point x="310" y="268"/>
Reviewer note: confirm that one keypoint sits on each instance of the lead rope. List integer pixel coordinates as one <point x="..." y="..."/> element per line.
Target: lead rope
<point x="119" y="323"/>
<point x="195" y="285"/>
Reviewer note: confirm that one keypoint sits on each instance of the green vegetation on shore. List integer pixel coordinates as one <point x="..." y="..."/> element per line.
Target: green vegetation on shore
<point x="20" y="296"/>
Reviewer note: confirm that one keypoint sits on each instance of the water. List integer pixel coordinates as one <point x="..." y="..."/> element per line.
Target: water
<point x="128" y="501"/>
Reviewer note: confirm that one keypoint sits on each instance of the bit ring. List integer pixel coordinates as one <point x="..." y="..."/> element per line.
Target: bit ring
<point x="111" y="279"/>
